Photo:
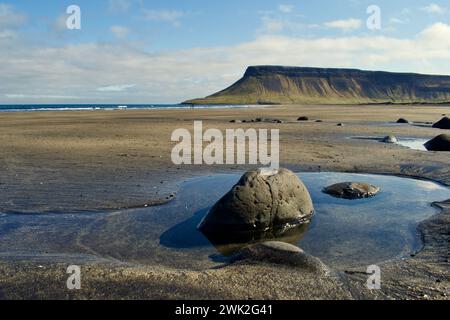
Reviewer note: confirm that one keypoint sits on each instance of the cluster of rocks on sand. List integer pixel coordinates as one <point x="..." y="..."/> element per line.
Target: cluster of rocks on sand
<point x="439" y="143"/>
<point x="266" y="120"/>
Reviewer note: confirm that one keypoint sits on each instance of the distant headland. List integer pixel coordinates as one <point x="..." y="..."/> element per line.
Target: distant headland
<point x="299" y="85"/>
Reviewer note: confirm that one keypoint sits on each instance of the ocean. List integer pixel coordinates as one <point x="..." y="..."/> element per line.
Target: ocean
<point x="87" y="107"/>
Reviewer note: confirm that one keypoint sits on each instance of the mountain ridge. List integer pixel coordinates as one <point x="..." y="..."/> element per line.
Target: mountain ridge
<point x="309" y="85"/>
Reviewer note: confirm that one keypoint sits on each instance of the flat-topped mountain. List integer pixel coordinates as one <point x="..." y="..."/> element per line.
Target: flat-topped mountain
<point x="297" y="85"/>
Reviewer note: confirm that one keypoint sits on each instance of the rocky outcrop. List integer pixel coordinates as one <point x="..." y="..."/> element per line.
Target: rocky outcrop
<point x="352" y="190"/>
<point x="296" y="85"/>
<point x="440" y="143"/>
<point x="262" y="199"/>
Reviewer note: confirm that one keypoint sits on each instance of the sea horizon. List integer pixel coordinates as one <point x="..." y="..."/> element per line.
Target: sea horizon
<point x="118" y="106"/>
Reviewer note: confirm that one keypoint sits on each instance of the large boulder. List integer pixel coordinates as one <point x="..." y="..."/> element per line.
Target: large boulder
<point x="444" y="123"/>
<point x="352" y="190"/>
<point x="440" y="143"/>
<point x="262" y="200"/>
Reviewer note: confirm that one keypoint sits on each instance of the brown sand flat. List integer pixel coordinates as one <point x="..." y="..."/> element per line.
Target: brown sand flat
<point x="76" y="161"/>
<point x="89" y="160"/>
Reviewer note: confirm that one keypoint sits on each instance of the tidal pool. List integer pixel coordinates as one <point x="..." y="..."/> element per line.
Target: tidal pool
<point x="343" y="233"/>
<point x="411" y="143"/>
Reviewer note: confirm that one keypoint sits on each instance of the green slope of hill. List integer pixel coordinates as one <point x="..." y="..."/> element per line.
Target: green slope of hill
<point x="295" y="85"/>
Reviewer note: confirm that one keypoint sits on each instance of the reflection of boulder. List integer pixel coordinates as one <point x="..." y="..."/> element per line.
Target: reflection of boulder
<point x="229" y="243"/>
<point x="281" y="253"/>
<point x="352" y="190"/>
<point x="444" y="123"/>
<point x="403" y="120"/>
<point x="440" y="143"/>
<point x="262" y="200"/>
<point x="389" y="139"/>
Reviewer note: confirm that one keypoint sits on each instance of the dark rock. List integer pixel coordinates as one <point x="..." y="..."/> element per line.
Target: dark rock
<point x="303" y="118"/>
<point x="340" y="124"/>
<point x="403" y="120"/>
<point x="262" y="199"/>
<point x="389" y="139"/>
<point x="440" y="143"/>
<point x="281" y="253"/>
<point x="444" y="123"/>
<point x="319" y="120"/>
<point x="352" y="190"/>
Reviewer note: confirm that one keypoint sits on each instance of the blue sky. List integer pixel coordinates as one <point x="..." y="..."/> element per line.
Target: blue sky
<point x="151" y="51"/>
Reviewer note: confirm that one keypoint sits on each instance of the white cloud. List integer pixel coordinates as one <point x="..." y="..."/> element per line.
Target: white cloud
<point x="345" y="25"/>
<point x="7" y="34"/>
<point x="171" y="16"/>
<point x="285" y="8"/>
<point x="9" y="19"/>
<point x="116" y="88"/>
<point x="120" y="32"/>
<point x="434" y="9"/>
<point x="119" y="6"/>
<point x="87" y="70"/>
<point x="272" y="25"/>
<point x="39" y="96"/>
<point x="396" y="21"/>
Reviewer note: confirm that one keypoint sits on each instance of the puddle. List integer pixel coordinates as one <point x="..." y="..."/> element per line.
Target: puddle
<point x="411" y="143"/>
<point x="343" y="233"/>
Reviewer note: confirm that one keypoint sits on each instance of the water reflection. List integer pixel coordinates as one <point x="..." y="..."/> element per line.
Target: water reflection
<point x="342" y="232"/>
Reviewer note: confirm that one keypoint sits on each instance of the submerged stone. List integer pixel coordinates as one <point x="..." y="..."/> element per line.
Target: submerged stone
<point x="281" y="253"/>
<point x="262" y="200"/>
<point x="352" y="190"/>
<point x="440" y="143"/>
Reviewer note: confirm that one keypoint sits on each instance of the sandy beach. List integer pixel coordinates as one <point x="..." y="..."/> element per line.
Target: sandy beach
<point x="89" y="161"/>
<point x="94" y="160"/>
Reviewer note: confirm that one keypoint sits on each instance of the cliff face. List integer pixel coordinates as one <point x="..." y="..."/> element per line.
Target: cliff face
<point x="295" y="85"/>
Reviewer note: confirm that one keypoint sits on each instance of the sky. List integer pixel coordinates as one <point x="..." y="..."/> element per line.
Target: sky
<point x="155" y="51"/>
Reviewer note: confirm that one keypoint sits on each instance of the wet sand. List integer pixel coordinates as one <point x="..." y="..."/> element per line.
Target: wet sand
<point x="94" y="160"/>
<point x="89" y="160"/>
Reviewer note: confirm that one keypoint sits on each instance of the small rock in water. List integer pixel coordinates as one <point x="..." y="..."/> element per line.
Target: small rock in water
<point x="262" y="199"/>
<point x="403" y="120"/>
<point x="352" y="190"/>
<point x="440" y="143"/>
<point x="444" y="123"/>
<point x="389" y="139"/>
<point x="340" y="124"/>
<point x="303" y="118"/>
